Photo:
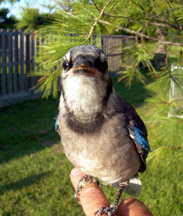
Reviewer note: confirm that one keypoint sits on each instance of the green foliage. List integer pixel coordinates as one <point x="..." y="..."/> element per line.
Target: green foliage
<point x="5" y="21"/>
<point x="31" y="20"/>
<point x="140" y="55"/>
<point x="167" y="142"/>
<point x="79" y="20"/>
<point x="65" y="5"/>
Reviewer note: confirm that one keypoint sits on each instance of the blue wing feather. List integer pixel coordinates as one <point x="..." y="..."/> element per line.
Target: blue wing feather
<point x="139" y="137"/>
<point x="56" y="124"/>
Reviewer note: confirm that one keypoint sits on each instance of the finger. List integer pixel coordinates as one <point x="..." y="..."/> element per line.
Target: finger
<point x="91" y="197"/>
<point x="133" y="207"/>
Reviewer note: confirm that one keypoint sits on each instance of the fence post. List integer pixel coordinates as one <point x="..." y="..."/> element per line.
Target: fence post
<point x="33" y="57"/>
<point x="10" y="71"/>
<point x="22" y="60"/>
<point x="4" y="75"/>
<point x="27" y="61"/>
<point x="16" y="61"/>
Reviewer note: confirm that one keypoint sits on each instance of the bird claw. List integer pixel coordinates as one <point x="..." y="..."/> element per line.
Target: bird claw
<point x="83" y="182"/>
<point x="110" y="211"/>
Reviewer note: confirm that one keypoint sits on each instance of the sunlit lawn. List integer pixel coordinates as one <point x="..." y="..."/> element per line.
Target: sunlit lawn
<point x="34" y="173"/>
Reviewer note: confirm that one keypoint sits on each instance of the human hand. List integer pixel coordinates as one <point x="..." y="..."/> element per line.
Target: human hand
<point x="92" y="198"/>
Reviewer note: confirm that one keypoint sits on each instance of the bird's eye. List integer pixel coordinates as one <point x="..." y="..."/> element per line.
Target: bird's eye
<point x="65" y="65"/>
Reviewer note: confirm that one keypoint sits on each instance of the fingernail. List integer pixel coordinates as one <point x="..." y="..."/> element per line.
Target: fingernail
<point x="75" y="172"/>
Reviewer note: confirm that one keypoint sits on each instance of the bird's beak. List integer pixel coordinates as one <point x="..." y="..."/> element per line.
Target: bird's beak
<point x="84" y="70"/>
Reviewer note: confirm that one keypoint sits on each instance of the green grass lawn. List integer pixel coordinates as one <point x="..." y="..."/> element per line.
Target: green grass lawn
<point x="34" y="172"/>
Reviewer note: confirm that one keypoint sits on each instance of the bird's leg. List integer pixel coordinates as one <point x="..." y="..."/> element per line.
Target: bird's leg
<point x="110" y="211"/>
<point x="83" y="182"/>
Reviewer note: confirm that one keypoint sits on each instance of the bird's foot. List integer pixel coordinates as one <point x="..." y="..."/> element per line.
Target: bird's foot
<point x="110" y="211"/>
<point x="83" y="182"/>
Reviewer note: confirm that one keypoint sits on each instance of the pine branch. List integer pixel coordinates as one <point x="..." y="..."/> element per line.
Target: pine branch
<point x="164" y="21"/>
<point x="141" y="8"/>
<point x="94" y="3"/>
<point x="142" y="35"/>
<point x="100" y="15"/>
<point x="172" y="9"/>
<point x="159" y="24"/>
<point x="109" y="14"/>
<point x="173" y="15"/>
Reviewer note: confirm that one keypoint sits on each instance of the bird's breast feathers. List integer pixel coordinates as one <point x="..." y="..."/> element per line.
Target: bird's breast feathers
<point x="96" y="154"/>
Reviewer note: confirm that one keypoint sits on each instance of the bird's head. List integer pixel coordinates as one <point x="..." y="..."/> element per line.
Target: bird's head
<point x="85" y="60"/>
<point x="85" y="80"/>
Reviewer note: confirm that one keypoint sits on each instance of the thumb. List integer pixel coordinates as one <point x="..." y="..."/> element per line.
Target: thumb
<point x="133" y="207"/>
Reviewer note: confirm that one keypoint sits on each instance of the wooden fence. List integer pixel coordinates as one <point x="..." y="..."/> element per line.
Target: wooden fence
<point x="113" y="46"/>
<point x="16" y="62"/>
<point x="17" y="51"/>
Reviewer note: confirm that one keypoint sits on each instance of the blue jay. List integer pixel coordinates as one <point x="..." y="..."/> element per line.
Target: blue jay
<point x="100" y="131"/>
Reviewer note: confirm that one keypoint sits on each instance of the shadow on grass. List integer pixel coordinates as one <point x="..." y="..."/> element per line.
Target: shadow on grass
<point x="18" y="185"/>
<point x="27" y="127"/>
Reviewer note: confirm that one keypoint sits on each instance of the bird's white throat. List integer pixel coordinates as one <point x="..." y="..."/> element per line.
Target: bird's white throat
<point x="84" y="95"/>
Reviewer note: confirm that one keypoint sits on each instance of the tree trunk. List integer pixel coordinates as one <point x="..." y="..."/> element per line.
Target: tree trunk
<point x="160" y="48"/>
<point x="160" y="57"/>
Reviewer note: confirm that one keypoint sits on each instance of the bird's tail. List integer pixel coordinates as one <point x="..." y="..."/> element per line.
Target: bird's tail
<point x="134" y="186"/>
